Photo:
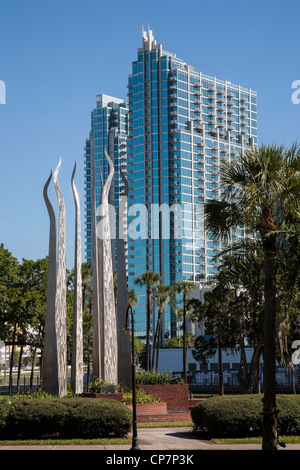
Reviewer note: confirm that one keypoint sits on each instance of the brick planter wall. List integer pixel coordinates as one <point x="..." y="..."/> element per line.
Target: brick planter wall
<point x="175" y="395"/>
<point x="112" y="396"/>
<point x="150" y="408"/>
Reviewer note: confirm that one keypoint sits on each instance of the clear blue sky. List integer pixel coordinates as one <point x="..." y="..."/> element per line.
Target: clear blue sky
<point x="56" y="56"/>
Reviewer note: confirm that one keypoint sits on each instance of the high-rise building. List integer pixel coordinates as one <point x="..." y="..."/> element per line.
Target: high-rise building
<point x="109" y="129"/>
<point x="182" y="123"/>
<point x="177" y="127"/>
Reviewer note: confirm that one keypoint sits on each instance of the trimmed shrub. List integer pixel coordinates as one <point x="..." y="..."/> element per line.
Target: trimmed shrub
<point x="65" y="418"/>
<point x="141" y="398"/>
<point x="242" y="416"/>
<point x="103" y="386"/>
<point x="288" y="408"/>
<point x="152" y="377"/>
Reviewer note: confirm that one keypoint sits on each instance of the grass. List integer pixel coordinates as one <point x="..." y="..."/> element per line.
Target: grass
<point x="106" y="441"/>
<point x="256" y="440"/>
<point x="180" y="424"/>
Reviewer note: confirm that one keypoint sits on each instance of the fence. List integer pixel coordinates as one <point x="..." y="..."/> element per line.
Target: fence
<point x="24" y="385"/>
<point x="207" y="383"/>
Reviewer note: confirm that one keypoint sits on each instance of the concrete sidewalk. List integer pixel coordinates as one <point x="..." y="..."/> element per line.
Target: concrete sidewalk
<point x="152" y="439"/>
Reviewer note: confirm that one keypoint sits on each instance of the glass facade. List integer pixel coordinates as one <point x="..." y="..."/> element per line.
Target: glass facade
<point x="109" y="128"/>
<point x="172" y="134"/>
<point x="181" y="125"/>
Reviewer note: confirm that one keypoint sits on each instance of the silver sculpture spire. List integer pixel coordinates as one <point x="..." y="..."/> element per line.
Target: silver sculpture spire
<point x="77" y="335"/>
<point x="60" y="294"/>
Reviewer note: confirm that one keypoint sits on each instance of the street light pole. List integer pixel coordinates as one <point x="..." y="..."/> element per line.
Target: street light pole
<point x="135" y="445"/>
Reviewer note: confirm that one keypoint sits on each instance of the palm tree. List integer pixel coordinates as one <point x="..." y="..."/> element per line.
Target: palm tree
<point x="150" y="280"/>
<point x="132" y="298"/>
<point x="161" y="298"/>
<point x="260" y="192"/>
<point x="184" y="287"/>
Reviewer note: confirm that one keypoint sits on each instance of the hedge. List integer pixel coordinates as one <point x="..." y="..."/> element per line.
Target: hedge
<point x="64" y="418"/>
<point x="152" y="377"/>
<point x="241" y="416"/>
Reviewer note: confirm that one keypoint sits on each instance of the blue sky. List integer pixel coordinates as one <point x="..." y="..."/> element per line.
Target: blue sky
<point x="55" y="57"/>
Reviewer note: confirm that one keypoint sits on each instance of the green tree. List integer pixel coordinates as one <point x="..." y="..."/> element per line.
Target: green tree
<point x="184" y="288"/>
<point x="213" y="314"/>
<point x="260" y="191"/>
<point x="132" y="298"/>
<point x="161" y="298"/>
<point x="150" y="280"/>
<point x="242" y="271"/>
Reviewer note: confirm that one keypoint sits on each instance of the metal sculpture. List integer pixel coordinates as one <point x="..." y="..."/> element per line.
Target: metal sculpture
<point x="77" y="334"/>
<point x="60" y="293"/>
<point x="106" y="285"/>
<point x="105" y="347"/>
<point x="124" y="360"/>
<point x="49" y="369"/>
<point x="54" y="369"/>
<point x="105" y="341"/>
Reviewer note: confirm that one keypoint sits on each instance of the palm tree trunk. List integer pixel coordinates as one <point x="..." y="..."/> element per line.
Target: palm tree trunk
<point x="255" y="369"/>
<point x="148" y="329"/>
<point x="156" y="338"/>
<point x="221" y="381"/>
<point x="12" y="360"/>
<point x="244" y="365"/>
<point x="184" y="339"/>
<point x="19" y="369"/>
<point x="33" y="356"/>
<point x="293" y="385"/>
<point x="270" y="437"/>
<point x="158" y="342"/>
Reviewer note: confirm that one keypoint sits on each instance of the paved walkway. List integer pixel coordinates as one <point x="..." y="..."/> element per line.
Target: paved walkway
<point x="152" y="439"/>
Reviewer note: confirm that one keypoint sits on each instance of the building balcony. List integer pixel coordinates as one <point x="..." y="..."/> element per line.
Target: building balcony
<point x="215" y="147"/>
<point x="200" y="144"/>
<point x="212" y="105"/>
<point x="196" y="92"/>
<point x="198" y="126"/>
<point x="243" y="98"/>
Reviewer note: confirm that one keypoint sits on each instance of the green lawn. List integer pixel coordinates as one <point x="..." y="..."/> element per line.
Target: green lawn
<point x="256" y="440"/>
<point x="107" y="441"/>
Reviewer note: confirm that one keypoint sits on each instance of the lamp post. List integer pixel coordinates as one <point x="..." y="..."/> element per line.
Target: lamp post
<point x="135" y="445"/>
